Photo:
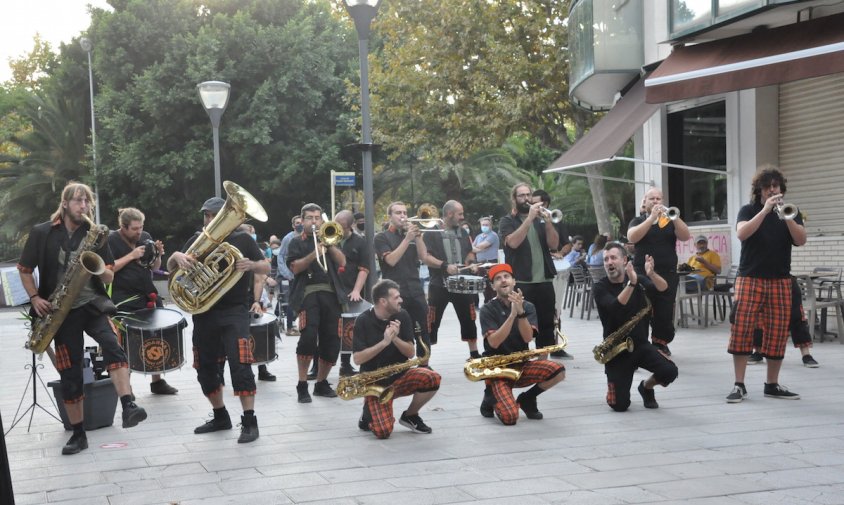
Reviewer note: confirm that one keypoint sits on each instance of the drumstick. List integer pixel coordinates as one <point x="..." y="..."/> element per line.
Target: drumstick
<point x="479" y="265"/>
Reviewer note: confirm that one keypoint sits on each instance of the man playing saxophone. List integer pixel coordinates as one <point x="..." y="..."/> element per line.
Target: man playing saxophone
<point x="50" y="248"/>
<point x="509" y="324"/>
<point x="383" y="336"/>
<point x="620" y="298"/>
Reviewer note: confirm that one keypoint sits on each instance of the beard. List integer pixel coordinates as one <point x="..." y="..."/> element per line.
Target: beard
<point x="523" y="207"/>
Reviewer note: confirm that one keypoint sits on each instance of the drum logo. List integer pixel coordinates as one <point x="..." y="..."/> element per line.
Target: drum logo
<point x="155" y="352"/>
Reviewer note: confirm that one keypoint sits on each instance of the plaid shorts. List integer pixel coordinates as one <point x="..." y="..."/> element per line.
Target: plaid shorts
<point x="762" y="302"/>
<point x="415" y="380"/>
<point x="533" y="372"/>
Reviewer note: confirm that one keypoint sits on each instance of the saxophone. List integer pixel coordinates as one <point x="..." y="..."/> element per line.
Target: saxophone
<point x="366" y="383"/>
<point x="82" y="265"/>
<point x="497" y="367"/>
<point x="618" y="341"/>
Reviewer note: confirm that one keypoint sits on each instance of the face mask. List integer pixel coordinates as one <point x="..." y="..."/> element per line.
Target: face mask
<point x="275" y="251"/>
<point x="485" y="229"/>
<point x="299" y="228"/>
<point x="361" y="226"/>
<point x="254" y="237"/>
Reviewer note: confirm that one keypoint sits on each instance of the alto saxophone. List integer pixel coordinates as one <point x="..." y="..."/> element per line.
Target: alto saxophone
<point x="618" y="341"/>
<point x="82" y="265"/>
<point x="366" y="383"/>
<point x="498" y="367"/>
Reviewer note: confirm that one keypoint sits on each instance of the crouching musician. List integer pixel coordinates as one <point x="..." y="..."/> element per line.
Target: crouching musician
<point x="382" y="344"/>
<point x="509" y="324"/>
<point x="625" y="312"/>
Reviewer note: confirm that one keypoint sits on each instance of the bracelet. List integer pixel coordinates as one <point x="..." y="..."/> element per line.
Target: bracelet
<point x="630" y="284"/>
<point x="522" y="315"/>
<point x="33" y="296"/>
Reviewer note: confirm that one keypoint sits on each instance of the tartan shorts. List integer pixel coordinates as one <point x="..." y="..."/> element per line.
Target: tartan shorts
<point x="765" y="303"/>
<point x="415" y="380"/>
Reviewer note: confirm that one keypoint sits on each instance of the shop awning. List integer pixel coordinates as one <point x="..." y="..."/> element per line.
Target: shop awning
<point x="789" y="53"/>
<point x="611" y="132"/>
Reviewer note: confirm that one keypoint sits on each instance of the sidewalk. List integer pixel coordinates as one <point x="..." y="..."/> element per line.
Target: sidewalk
<point x="694" y="449"/>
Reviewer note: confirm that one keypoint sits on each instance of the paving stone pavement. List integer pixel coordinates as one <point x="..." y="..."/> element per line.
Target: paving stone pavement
<point x="694" y="449"/>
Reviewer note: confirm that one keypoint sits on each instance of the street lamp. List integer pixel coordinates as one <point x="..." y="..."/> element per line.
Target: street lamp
<point x="85" y="42"/>
<point x="363" y="12"/>
<point x="215" y="96"/>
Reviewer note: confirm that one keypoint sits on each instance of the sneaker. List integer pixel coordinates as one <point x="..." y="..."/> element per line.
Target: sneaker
<point x="365" y="419"/>
<point x="488" y="404"/>
<point x="754" y="358"/>
<point x="76" y="444"/>
<point x="302" y="392"/>
<point x="292" y="332"/>
<point x="528" y="406"/>
<point x="248" y="429"/>
<point x="223" y="422"/>
<point x="323" y="388"/>
<point x="809" y="361"/>
<point x="561" y="354"/>
<point x="648" y="396"/>
<point x="160" y="387"/>
<point x="265" y="375"/>
<point x="414" y="423"/>
<point x="738" y="394"/>
<point x="347" y="370"/>
<point x="132" y="415"/>
<point x="777" y="391"/>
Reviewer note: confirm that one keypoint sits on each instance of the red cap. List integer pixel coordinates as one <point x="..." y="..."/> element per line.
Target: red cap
<point x="497" y="269"/>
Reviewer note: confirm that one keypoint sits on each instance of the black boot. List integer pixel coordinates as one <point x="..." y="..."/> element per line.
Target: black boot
<point x="346" y="368"/>
<point x="220" y="421"/>
<point x="248" y="429"/>
<point x="132" y="413"/>
<point x="314" y="367"/>
<point x="302" y="392"/>
<point x="264" y="374"/>
<point x="77" y="443"/>
<point x="488" y="403"/>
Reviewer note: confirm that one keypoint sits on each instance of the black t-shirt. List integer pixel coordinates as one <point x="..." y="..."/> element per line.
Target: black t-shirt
<point x="436" y="243"/>
<point x="406" y="271"/>
<point x="357" y="255"/>
<point x="613" y="314"/>
<point x="369" y="330"/>
<point x="241" y="293"/>
<point x="132" y="280"/>
<point x="493" y="316"/>
<point x="521" y="258"/>
<point x="660" y="243"/>
<point x="767" y="253"/>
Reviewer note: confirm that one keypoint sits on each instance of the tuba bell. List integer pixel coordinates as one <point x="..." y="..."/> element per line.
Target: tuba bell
<point x="196" y="289"/>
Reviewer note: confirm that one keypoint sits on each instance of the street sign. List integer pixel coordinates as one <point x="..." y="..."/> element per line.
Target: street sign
<point x="344" y="179"/>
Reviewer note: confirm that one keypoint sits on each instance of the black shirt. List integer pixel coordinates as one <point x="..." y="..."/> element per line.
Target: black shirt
<point x="767" y="253"/>
<point x="493" y="316"/>
<point x="132" y="280"/>
<point x="357" y="255"/>
<point x="520" y="258"/>
<point x="660" y="243"/>
<point x="457" y="238"/>
<point x="300" y="247"/>
<point x="369" y="330"/>
<point x="613" y="314"/>
<point x="406" y="270"/>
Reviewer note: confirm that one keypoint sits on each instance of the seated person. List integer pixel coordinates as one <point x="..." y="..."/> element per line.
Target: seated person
<point x="707" y="264"/>
<point x="577" y="254"/>
<point x="595" y="255"/>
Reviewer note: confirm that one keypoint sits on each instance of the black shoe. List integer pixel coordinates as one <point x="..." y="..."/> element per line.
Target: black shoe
<point x="528" y="406"/>
<point x="323" y="388"/>
<point x="347" y="370"/>
<point x="313" y="373"/>
<point x="663" y="348"/>
<point x="488" y="404"/>
<point x="365" y="419"/>
<point x="561" y="354"/>
<point x="754" y="358"/>
<point x="265" y="375"/>
<point x="76" y="444"/>
<point x="223" y="422"/>
<point x="248" y="429"/>
<point x="302" y="391"/>
<point x="809" y="361"/>
<point x="648" y="396"/>
<point x="132" y="415"/>
<point x="415" y="423"/>
<point x="160" y="387"/>
<point x="780" y="392"/>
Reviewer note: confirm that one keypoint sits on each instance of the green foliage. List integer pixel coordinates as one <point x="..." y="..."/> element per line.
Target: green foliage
<point x="29" y="69"/>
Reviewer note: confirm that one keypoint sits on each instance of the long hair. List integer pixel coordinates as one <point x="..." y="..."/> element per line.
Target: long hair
<point x="766" y="175"/>
<point x="516" y="188"/>
<point x="129" y="214"/>
<point x="75" y="190"/>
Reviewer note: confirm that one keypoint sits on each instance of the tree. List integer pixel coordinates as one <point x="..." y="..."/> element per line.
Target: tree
<point x="28" y="70"/>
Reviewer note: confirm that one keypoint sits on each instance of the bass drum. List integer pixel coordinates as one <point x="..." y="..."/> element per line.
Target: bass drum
<point x="154" y="342"/>
<point x="263" y="332"/>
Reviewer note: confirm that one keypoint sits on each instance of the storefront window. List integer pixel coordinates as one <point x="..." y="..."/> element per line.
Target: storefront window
<point x="697" y="138"/>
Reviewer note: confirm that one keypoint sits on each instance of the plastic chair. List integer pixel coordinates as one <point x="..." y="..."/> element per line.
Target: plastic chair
<point x="722" y="294"/>
<point x="812" y="306"/>
<point x="595" y="274"/>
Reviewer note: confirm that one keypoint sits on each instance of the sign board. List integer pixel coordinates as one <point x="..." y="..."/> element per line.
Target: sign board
<point x="718" y="241"/>
<point x="344" y="179"/>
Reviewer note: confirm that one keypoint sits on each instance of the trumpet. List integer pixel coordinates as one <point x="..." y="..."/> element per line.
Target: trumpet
<point x="427" y="217"/>
<point x="671" y="213"/>
<point x="556" y="214"/>
<point x="329" y="234"/>
<point x="786" y="211"/>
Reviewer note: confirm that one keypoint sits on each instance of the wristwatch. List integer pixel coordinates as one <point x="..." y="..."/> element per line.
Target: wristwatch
<point x="630" y="284"/>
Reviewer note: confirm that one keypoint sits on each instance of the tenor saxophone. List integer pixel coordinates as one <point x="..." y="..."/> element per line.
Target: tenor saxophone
<point x="618" y="341"/>
<point x="499" y="367"/>
<point x="366" y="383"/>
<point x="82" y="265"/>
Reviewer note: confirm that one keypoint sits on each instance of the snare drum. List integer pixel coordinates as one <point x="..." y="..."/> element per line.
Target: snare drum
<point x="347" y="323"/>
<point x="263" y="331"/>
<point x="468" y="284"/>
<point x="154" y="340"/>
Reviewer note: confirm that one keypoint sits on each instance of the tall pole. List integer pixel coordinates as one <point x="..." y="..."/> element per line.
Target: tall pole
<point x="366" y="151"/>
<point x="214" y="96"/>
<point x="217" y="182"/>
<point x="86" y="45"/>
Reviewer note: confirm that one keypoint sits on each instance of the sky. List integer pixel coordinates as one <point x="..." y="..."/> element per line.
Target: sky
<point x="56" y="20"/>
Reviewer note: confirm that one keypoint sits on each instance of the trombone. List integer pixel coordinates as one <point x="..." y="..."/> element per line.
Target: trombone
<point x="427" y="217"/>
<point x="330" y="233"/>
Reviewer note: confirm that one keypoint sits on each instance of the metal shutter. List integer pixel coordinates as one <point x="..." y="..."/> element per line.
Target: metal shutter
<point x="812" y="150"/>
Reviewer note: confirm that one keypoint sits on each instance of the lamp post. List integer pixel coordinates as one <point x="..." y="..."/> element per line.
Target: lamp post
<point x="85" y="42"/>
<point x="363" y="12"/>
<point x="215" y="96"/>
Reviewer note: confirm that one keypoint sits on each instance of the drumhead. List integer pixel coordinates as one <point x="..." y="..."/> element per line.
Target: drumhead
<point x="154" y="319"/>
<point x="263" y="320"/>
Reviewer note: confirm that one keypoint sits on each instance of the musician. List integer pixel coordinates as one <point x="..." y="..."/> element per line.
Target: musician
<point x="763" y="283"/>
<point x="656" y="235"/>
<point x="399" y="249"/>
<point x="447" y="251"/>
<point x="509" y="324"/>
<point x="564" y="245"/>
<point x="49" y="248"/>
<point x="354" y="276"/>
<point x="529" y="236"/>
<point x="620" y="297"/>
<point x="316" y="296"/>
<point x="225" y="328"/>
<point x="132" y="289"/>
<point x="383" y="336"/>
